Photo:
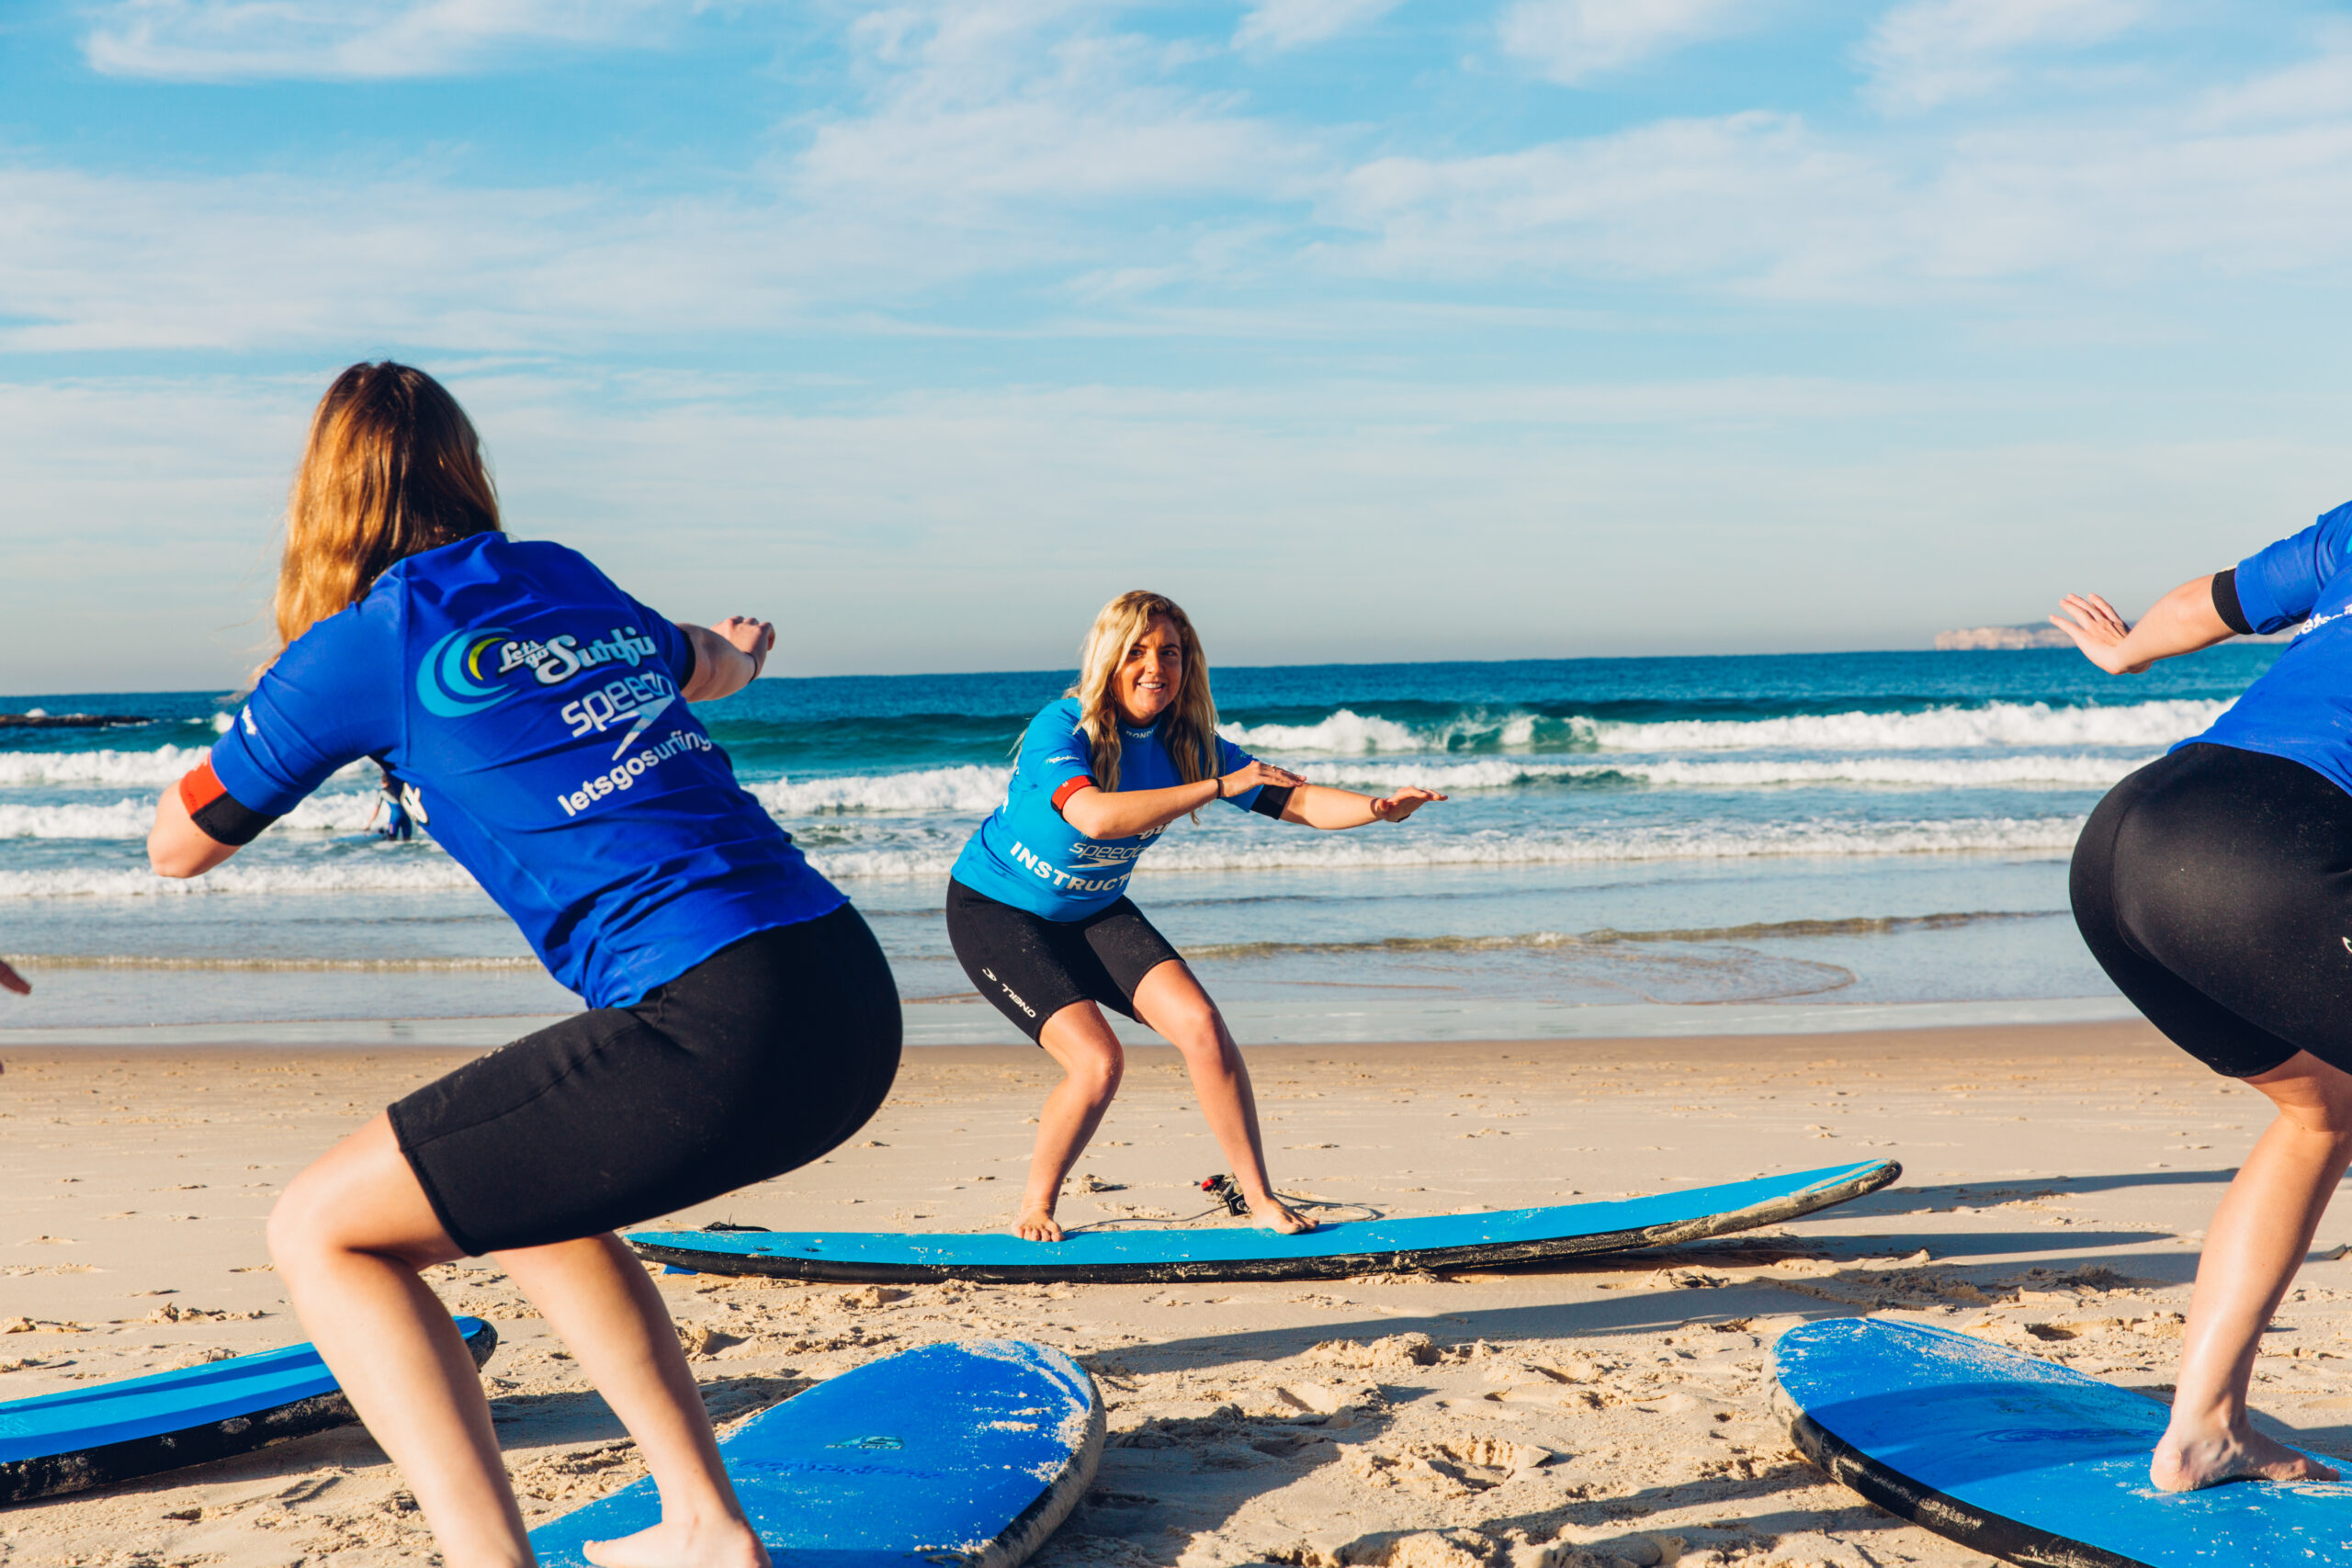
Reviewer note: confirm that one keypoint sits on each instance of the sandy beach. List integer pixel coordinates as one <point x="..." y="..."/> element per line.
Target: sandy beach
<point x="2057" y="1178"/>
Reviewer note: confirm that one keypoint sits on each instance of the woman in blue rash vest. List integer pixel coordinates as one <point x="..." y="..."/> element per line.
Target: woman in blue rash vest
<point x="1037" y="910"/>
<point x="742" y="1019"/>
<point x="2212" y="886"/>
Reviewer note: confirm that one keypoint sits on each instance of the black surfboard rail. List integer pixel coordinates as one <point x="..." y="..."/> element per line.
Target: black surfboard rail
<point x="58" y="1475"/>
<point x="1326" y="1266"/>
<point x="1996" y="1535"/>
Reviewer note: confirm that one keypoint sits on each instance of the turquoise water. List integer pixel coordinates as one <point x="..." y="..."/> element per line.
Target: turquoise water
<point x="1641" y="844"/>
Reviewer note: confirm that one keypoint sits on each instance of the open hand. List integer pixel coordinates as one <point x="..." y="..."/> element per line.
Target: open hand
<point x="1404" y="802"/>
<point x="752" y="637"/>
<point x="1256" y="775"/>
<point x="2099" y="631"/>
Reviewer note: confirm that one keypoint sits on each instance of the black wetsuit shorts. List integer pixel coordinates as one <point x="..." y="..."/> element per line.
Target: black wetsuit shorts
<point x="757" y="1060"/>
<point x="1032" y="967"/>
<point x="2214" y="886"/>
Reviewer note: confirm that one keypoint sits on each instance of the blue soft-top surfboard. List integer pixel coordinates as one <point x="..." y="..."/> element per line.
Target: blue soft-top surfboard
<point x="116" y="1431"/>
<point x="1331" y="1251"/>
<point x="952" y="1456"/>
<point x="2026" y="1460"/>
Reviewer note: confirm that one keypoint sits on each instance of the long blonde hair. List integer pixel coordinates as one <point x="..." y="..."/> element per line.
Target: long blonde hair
<point x="1188" y="724"/>
<point x="393" y="467"/>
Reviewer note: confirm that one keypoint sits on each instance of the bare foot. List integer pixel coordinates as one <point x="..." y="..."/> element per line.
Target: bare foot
<point x="1273" y="1214"/>
<point x="1037" y="1224"/>
<point x="682" y="1543"/>
<point x="2185" y="1462"/>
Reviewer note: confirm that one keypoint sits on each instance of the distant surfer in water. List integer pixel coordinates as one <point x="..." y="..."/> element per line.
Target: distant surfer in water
<point x="741" y="1018"/>
<point x="2212" y="887"/>
<point x="1037" y="910"/>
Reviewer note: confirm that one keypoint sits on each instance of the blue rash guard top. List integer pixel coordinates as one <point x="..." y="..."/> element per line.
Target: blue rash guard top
<point x="1026" y="855"/>
<point x="2300" y="708"/>
<point x="535" y="709"/>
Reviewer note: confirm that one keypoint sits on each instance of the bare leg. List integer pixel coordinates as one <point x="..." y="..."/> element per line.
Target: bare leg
<point x="1091" y="1064"/>
<point x="1172" y="1001"/>
<point x="2258" y="1239"/>
<point x="349" y="1236"/>
<point x="596" y="1295"/>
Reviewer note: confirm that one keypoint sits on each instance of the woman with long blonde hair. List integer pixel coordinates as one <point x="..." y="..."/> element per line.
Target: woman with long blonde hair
<point x="1037" y="910"/>
<point x="742" y="1019"/>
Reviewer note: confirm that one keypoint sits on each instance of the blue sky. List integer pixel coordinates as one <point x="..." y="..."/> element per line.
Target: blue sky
<point x="1372" y="329"/>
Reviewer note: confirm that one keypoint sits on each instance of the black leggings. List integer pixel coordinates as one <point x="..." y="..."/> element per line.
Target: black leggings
<point x="755" y="1061"/>
<point x="2214" y="886"/>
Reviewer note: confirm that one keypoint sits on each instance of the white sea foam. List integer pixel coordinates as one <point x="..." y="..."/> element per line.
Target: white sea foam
<point x="20" y="769"/>
<point x="2070" y="769"/>
<point x="1994" y="724"/>
<point x="400" y="871"/>
<point x="2151" y="723"/>
<point x="1683" y="841"/>
<point x="342" y="812"/>
<point x="969" y="789"/>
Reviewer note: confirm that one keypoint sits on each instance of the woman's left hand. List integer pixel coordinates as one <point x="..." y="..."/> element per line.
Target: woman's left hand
<point x="1403" y="804"/>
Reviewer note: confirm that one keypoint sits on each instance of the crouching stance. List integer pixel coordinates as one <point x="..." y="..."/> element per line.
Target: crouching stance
<point x="742" y="1019"/>
<point x="2213" y="885"/>
<point x="1038" y="913"/>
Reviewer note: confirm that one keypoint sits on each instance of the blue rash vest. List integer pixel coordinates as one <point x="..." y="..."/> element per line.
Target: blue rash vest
<point x="534" y="708"/>
<point x="2300" y="708"/>
<point x="1026" y="855"/>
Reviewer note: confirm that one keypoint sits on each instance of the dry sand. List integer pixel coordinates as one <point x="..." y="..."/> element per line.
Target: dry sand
<point x="2057" y="1182"/>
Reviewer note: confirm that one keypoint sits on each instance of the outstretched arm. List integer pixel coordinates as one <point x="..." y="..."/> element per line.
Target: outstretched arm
<point x="1122" y="814"/>
<point x="176" y="847"/>
<point x="727" y="656"/>
<point x="1319" y="805"/>
<point x="2181" y="622"/>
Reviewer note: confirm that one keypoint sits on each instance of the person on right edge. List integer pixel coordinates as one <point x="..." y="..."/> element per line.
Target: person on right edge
<point x="2212" y="886"/>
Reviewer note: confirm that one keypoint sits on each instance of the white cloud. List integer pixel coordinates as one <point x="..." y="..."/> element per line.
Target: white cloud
<point x="1570" y="41"/>
<point x="243" y="40"/>
<point x="1929" y="53"/>
<point x="1274" y="25"/>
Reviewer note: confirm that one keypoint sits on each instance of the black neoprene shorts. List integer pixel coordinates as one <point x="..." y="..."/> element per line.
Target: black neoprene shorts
<point x="755" y="1061"/>
<point x="2214" y="886"/>
<point x="1032" y="967"/>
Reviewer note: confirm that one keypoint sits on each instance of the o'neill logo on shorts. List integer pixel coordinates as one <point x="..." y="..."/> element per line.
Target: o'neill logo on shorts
<point x="452" y="681"/>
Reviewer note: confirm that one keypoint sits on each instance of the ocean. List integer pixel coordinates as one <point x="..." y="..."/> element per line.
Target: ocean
<point x="1632" y="846"/>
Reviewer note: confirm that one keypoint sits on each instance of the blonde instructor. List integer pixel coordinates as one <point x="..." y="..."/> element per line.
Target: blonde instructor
<point x="1038" y="913"/>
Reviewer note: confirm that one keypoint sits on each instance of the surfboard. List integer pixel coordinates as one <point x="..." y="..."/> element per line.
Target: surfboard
<point x="2026" y="1459"/>
<point x="107" y="1432"/>
<point x="967" y="1454"/>
<point x="1331" y="1251"/>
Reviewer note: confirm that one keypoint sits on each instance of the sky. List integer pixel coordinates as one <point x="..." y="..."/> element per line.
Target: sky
<point x="1370" y="330"/>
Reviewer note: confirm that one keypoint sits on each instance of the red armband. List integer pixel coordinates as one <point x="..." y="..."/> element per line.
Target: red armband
<point x="200" y="786"/>
<point x="219" y="814"/>
<point x="1061" y="795"/>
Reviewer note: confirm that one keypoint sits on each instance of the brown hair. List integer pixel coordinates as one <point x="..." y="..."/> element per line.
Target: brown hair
<point x="393" y="467"/>
<point x="1189" y="737"/>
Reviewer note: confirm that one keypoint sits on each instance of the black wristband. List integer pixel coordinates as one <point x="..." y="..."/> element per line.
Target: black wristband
<point x="2225" y="603"/>
<point x="1271" y="800"/>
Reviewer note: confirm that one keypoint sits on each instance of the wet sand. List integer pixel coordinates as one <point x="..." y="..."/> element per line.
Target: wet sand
<point x="2057" y="1182"/>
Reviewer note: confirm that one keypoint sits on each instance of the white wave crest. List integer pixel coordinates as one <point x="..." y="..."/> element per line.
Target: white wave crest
<point x="2151" y="723"/>
<point x="1343" y="731"/>
<point x="400" y="871"/>
<point x="2077" y="769"/>
<point x="160" y="766"/>
<point x="968" y="788"/>
<point x="28" y="770"/>
<point x="338" y="813"/>
<point x="1689" y="841"/>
